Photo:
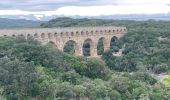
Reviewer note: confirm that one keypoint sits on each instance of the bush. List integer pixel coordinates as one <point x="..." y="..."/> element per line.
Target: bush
<point x="71" y="76"/>
<point x="144" y="77"/>
<point x="96" y="69"/>
<point x="160" y="69"/>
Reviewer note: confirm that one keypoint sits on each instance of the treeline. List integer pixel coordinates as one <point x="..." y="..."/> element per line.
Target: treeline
<point x="69" y="22"/>
<point x="18" y="23"/>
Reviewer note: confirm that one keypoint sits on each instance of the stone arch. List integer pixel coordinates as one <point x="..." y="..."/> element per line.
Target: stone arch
<point x="13" y="35"/>
<point x="77" y="33"/>
<point x="67" y="34"/>
<point x="72" y="33"/>
<point x="28" y="35"/>
<point x="5" y="35"/>
<point x="22" y="36"/>
<point x="101" y="45"/>
<point x="88" y="47"/>
<point x="50" y="35"/>
<point x="117" y="30"/>
<point x="121" y="30"/>
<point x="82" y="33"/>
<point x="114" y="43"/>
<point x="61" y="34"/>
<point x="71" y="47"/>
<point x="55" y="34"/>
<point x="101" y="32"/>
<point x="92" y="32"/>
<point x="109" y="32"/>
<point x="36" y="35"/>
<point x="87" y="32"/>
<point x="105" y="32"/>
<point x="43" y="35"/>
<point x="96" y="32"/>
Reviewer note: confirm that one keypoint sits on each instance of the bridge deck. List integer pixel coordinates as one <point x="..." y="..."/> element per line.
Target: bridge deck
<point x="58" y="30"/>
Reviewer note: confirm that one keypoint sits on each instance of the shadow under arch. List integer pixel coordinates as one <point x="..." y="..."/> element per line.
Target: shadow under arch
<point x="114" y="44"/>
<point x="88" y="46"/>
<point x="36" y="35"/>
<point x="100" y="46"/>
<point x="71" y="47"/>
<point x="50" y="35"/>
<point x="43" y="35"/>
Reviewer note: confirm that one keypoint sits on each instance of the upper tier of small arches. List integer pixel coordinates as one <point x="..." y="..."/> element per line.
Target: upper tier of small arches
<point x="64" y="32"/>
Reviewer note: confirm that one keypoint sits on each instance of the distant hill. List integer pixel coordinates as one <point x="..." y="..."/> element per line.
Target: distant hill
<point x="141" y="17"/>
<point x="70" y="22"/>
<point x="76" y="21"/>
<point x="130" y="24"/>
<point x="18" y="23"/>
<point x="138" y="17"/>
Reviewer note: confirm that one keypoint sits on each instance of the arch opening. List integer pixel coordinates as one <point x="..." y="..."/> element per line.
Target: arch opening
<point x="91" y="33"/>
<point x="29" y="36"/>
<point x="71" y="47"/>
<point x="72" y="33"/>
<point x="35" y="35"/>
<point x="117" y="30"/>
<point x="125" y="30"/>
<point x="100" y="46"/>
<point x="55" y="34"/>
<point x="67" y="34"/>
<point x="13" y="35"/>
<point x="43" y="36"/>
<point x="87" y="32"/>
<point x="87" y="47"/>
<point x="101" y="32"/>
<point x="82" y="33"/>
<point x="50" y="35"/>
<point x="114" y="46"/>
<point x="77" y="33"/>
<point x="61" y="34"/>
<point x="22" y="36"/>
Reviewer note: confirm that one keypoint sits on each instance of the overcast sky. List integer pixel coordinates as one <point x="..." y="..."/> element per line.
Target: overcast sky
<point x="41" y="8"/>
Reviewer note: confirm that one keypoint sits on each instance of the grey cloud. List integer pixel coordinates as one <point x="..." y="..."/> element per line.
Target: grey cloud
<point x="40" y="5"/>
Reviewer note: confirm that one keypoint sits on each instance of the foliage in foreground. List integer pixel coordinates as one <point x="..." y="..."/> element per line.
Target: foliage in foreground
<point x="29" y="70"/>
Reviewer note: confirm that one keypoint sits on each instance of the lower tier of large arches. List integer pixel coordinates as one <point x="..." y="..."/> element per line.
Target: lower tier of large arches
<point x="88" y="46"/>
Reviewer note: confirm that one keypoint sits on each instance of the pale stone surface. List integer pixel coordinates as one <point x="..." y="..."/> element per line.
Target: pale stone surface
<point x="60" y="36"/>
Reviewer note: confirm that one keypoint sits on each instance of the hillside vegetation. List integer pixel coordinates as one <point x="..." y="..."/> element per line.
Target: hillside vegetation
<point x="29" y="70"/>
<point x="18" y="23"/>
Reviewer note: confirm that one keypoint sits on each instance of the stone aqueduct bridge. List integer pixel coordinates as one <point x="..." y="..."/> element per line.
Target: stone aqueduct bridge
<point x="78" y="35"/>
